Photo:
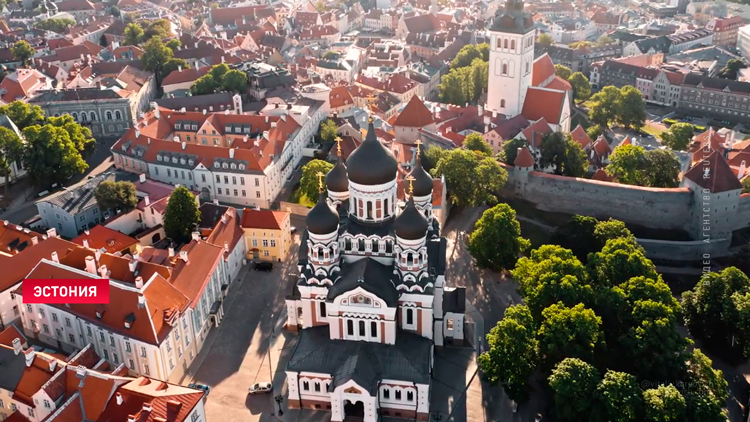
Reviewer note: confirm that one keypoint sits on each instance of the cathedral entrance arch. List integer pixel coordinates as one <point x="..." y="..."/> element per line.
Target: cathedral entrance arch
<point x="354" y="410"/>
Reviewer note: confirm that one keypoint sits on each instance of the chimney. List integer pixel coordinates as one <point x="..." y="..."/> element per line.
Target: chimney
<point x="118" y="397"/>
<point x="97" y="255"/>
<point x="743" y="168"/>
<point x="52" y="365"/>
<point x="103" y="271"/>
<point x="90" y="265"/>
<point x="223" y="59"/>
<point x="133" y="264"/>
<point x="204" y="111"/>
<point x="173" y="407"/>
<point x="171" y="252"/>
<point x="184" y="256"/>
<point x="34" y="240"/>
<point x="86" y="243"/>
<point x="17" y="348"/>
<point x="155" y="107"/>
<point x="137" y="133"/>
<point x="142" y="178"/>
<point x="196" y="236"/>
<point x="139" y="282"/>
<point x="224" y="218"/>
<point x="141" y="301"/>
<point x="146" y="200"/>
<point x="184" y="145"/>
<point x="226" y="246"/>
<point x="131" y="418"/>
<point x="52" y="232"/>
<point x="147" y="407"/>
<point x="55" y="259"/>
<point x="231" y="152"/>
<point x="179" y="68"/>
<point x="30" y="353"/>
<point x="267" y="118"/>
<point x="216" y="201"/>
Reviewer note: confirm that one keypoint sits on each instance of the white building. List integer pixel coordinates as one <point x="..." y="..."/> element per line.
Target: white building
<point x="743" y="41"/>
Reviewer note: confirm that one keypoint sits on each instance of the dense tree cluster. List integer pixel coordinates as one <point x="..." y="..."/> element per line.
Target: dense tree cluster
<point x="632" y="165"/>
<point x="624" y="106"/>
<point x="678" y="136"/>
<point x="116" y="195"/>
<point x="475" y="142"/>
<point x="58" y="25"/>
<point x="604" y="334"/>
<point x="473" y="178"/>
<point x="468" y="76"/>
<point x="139" y="32"/>
<point x="730" y="70"/>
<point x="220" y="78"/>
<point x="496" y="240"/>
<point x="23" y="52"/>
<point x="309" y="183"/>
<point x="584" y="235"/>
<point x="557" y="151"/>
<point x="182" y="215"/>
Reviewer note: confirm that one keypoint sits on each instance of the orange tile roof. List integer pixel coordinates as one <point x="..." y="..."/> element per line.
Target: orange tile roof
<point x="18" y="266"/>
<point x="191" y="277"/>
<point x="559" y="84"/>
<point x="43" y="367"/>
<point x="603" y="176"/>
<point x="13" y="236"/>
<point x="230" y="232"/>
<point x="11" y="333"/>
<point x="706" y="142"/>
<point x="542" y="69"/>
<point x="717" y="176"/>
<point x="101" y="237"/>
<point x="524" y="158"/>
<point x="169" y="402"/>
<point x="16" y="416"/>
<point x="117" y="266"/>
<point x="579" y="135"/>
<point x="601" y="147"/>
<point x="186" y="75"/>
<point x="150" y="323"/>
<point x="71" y="410"/>
<point x="340" y="97"/>
<point x="263" y="219"/>
<point x="96" y="394"/>
<point x="536" y="131"/>
<point x="414" y="114"/>
<point x="541" y="102"/>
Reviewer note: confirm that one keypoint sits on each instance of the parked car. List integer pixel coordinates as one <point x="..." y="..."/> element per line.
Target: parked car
<point x="206" y="389"/>
<point x="260" y="388"/>
<point x="263" y="266"/>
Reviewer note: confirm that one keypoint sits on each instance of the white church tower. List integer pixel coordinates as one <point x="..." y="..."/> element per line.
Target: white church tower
<point x="512" y="39"/>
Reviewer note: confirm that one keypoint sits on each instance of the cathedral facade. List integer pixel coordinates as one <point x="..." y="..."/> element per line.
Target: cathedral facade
<point x="371" y="300"/>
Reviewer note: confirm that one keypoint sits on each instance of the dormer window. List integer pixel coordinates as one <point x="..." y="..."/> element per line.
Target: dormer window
<point x="182" y="161"/>
<point x="158" y="158"/>
<point x="190" y="162"/>
<point x="177" y="126"/>
<point x="233" y="166"/>
<point x="216" y="165"/>
<point x="129" y="320"/>
<point x="225" y="165"/>
<point x="242" y="167"/>
<point x="174" y="160"/>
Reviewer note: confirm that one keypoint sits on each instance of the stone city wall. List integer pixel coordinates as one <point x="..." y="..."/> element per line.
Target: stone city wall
<point x="684" y="251"/>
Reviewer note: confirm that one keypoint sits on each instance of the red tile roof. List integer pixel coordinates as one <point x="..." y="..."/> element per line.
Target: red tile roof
<point x="263" y="219"/>
<point x="543" y="69"/>
<point x="543" y="103"/>
<point x="579" y="135"/>
<point x="415" y="114"/>
<point x="602" y="176"/>
<point x="17" y="267"/>
<point x="186" y="75"/>
<point x="559" y="84"/>
<point x="717" y="176"/>
<point x="191" y="277"/>
<point x="101" y="237"/>
<point x="11" y="333"/>
<point x="535" y="133"/>
<point x="169" y="402"/>
<point x="524" y="158"/>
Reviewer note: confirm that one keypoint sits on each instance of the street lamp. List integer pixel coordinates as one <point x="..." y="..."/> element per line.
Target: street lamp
<point x="279" y="399"/>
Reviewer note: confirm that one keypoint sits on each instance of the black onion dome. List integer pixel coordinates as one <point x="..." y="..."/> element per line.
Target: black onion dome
<point x="371" y="163"/>
<point x="411" y="224"/>
<point x="336" y="179"/>
<point x="322" y="219"/>
<point x="422" y="180"/>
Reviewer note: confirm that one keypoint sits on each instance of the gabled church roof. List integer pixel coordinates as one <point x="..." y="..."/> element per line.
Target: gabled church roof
<point x="717" y="176"/>
<point x="371" y="276"/>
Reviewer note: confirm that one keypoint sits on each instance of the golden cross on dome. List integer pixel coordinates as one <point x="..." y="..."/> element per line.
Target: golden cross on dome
<point x="419" y="146"/>
<point x="410" y="179"/>
<point x="338" y="145"/>
<point x="320" y="182"/>
<point x="370" y="101"/>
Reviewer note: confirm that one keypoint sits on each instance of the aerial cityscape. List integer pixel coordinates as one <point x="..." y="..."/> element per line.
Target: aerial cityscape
<point x="373" y="211"/>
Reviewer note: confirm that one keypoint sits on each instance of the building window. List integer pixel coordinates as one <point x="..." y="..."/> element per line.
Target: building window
<point x="257" y="194"/>
<point x="374" y="329"/>
<point x="350" y="327"/>
<point x="72" y="338"/>
<point x="244" y="193"/>
<point x="143" y="352"/>
<point x="502" y="103"/>
<point x="218" y="190"/>
<point x="362" y="328"/>
<point x="449" y="323"/>
<point x="398" y="395"/>
<point x="235" y="192"/>
<point x="409" y="396"/>
<point x="131" y="364"/>
<point x="273" y="243"/>
<point x="322" y="309"/>
<point x="505" y="68"/>
<point x="54" y="317"/>
<point x="410" y="316"/>
<point x="306" y="385"/>
<point x="31" y="412"/>
<point x="146" y="370"/>
<point x="265" y="243"/>
<point x="386" y="393"/>
<point x="317" y="387"/>
<point x="257" y="182"/>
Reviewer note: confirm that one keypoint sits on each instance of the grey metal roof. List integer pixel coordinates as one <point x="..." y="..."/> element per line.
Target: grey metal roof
<point x="78" y="198"/>
<point x="11" y="368"/>
<point x="369" y="275"/>
<point x="364" y="362"/>
<point x="455" y="300"/>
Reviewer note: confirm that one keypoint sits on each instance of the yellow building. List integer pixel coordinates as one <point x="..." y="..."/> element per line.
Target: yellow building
<point x="268" y="235"/>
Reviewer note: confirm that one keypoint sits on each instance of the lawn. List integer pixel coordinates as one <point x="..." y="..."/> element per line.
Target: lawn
<point x="652" y="131"/>
<point x="298" y="198"/>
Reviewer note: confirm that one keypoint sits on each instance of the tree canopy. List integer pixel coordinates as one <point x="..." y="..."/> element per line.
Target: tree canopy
<point x="11" y="151"/>
<point x="563" y="71"/>
<point x="496" y="240"/>
<point x="678" y="136"/>
<point x="746" y="185"/>
<point x="465" y="84"/>
<point x="23" y="52"/>
<point x="622" y="106"/>
<point x="545" y="39"/>
<point x="133" y="34"/>
<point x="574" y="382"/>
<point x="468" y="53"/>
<point x="116" y="195"/>
<point x="58" y="25"/>
<point x="309" y="185"/>
<point x="563" y="154"/>
<point x="328" y="131"/>
<point x="155" y="56"/>
<point x="51" y="155"/>
<point x="220" y="78"/>
<point x="475" y="142"/>
<point x="23" y="114"/>
<point x="730" y="70"/>
<point x="473" y="178"/>
<point x="581" y="86"/>
<point x="632" y="165"/>
<point x="181" y="215"/>
<point x="510" y="150"/>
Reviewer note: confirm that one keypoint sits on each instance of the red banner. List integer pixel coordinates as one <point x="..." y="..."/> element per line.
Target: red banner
<point x="84" y="290"/>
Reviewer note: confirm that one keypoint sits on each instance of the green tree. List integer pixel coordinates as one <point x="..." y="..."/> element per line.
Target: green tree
<point x="11" y="151"/>
<point x="632" y="108"/>
<point x="581" y="86"/>
<point x="579" y="45"/>
<point x="619" y="398"/>
<point x="328" y="131"/>
<point x="218" y="71"/>
<point x="545" y="39"/>
<point x="746" y="185"/>
<point x="79" y="135"/>
<point x="115" y="12"/>
<point x="155" y="56"/>
<point x="475" y="142"/>
<point x="563" y="71"/>
<point x="627" y="164"/>
<point x="606" y="105"/>
<point x="450" y="89"/>
<point x="707" y="392"/>
<point x="234" y="81"/>
<point x="563" y="154"/>
<point x="181" y="216"/>
<point x="496" y="240"/>
<point x="309" y="183"/>
<point x="58" y="25"/>
<point x="664" y="404"/>
<point x="573" y="382"/>
<point x="594" y="131"/>
<point x="473" y="178"/>
<point x="174" y="64"/>
<point x="133" y="34"/>
<point x="731" y="69"/>
<point x="206" y="84"/>
<point x="23" y="52"/>
<point x="160" y="28"/>
<point x="511" y="357"/>
<point x="469" y="53"/>
<point x="431" y="156"/>
<point x="604" y="40"/>
<point x="678" y="136"/>
<point x="510" y="150"/>
<point x="51" y="155"/>
<point x="611" y="229"/>
<point x="662" y="169"/>
<point x="116" y="195"/>
<point x="23" y="114"/>
<point x="174" y="44"/>
<point x="568" y="332"/>
<point x="711" y="310"/>
<point x="619" y="260"/>
<point x="577" y="234"/>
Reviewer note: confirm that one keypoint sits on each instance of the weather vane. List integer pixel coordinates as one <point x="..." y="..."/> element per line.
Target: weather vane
<point x="419" y="146"/>
<point x="410" y="179"/>
<point x="320" y="182"/>
<point x="338" y="145"/>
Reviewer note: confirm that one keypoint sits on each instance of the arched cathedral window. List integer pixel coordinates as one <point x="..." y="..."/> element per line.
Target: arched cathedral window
<point x="361" y="244"/>
<point x="348" y="244"/>
<point x="502" y="103"/>
<point x="505" y="43"/>
<point x="505" y="68"/>
<point x="369" y="210"/>
<point x="512" y="44"/>
<point x="385" y="208"/>
<point x="388" y="246"/>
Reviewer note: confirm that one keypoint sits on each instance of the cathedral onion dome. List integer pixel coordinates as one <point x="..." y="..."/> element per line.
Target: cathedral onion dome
<point x="422" y="180"/>
<point x="411" y="224"/>
<point x="336" y="180"/>
<point x="371" y="163"/>
<point x="322" y="219"/>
